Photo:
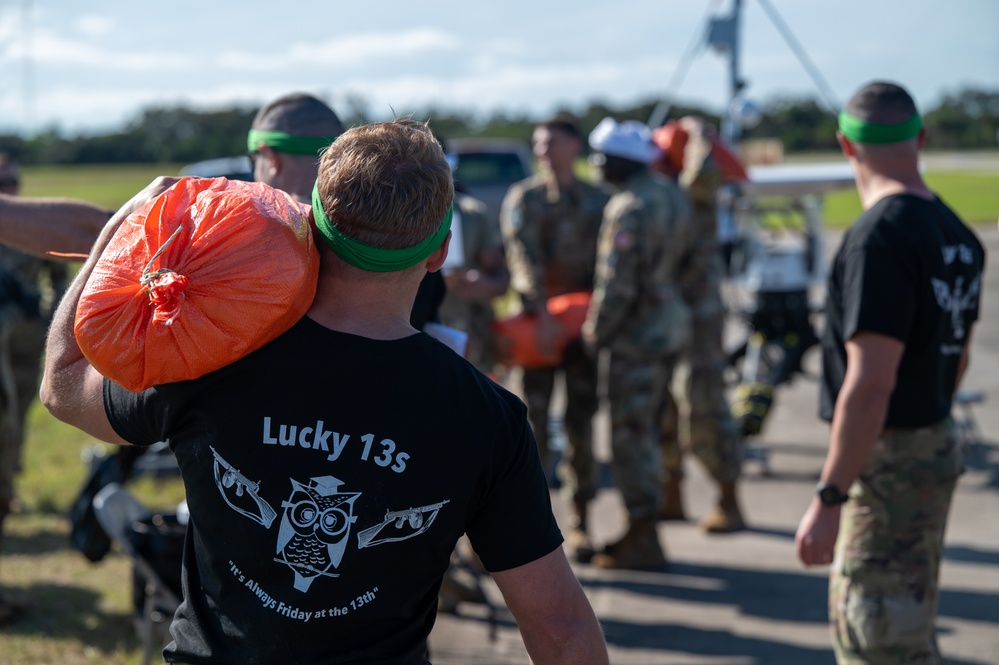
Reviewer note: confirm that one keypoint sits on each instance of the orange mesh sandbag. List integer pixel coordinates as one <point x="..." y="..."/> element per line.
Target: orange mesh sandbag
<point x="517" y="336"/>
<point x="207" y="272"/>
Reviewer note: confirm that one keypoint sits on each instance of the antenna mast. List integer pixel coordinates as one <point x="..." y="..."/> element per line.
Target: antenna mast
<point x="723" y="36"/>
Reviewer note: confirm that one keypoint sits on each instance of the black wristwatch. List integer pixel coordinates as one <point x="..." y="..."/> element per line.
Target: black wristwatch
<point x="830" y="495"/>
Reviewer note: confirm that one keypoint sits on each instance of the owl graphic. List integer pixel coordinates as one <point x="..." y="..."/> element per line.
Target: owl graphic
<point x="314" y="528"/>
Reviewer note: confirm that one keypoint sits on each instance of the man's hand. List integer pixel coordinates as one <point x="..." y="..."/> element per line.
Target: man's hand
<point x="872" y="363"/>
<point x="815" y="541"/>
<point x="463" y="283"/>
<point x="489" y="279"/>
<point x="159" y="185"/>
<point x="549" y="332"/>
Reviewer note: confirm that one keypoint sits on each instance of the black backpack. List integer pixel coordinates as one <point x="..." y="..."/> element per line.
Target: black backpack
<point x="86" y="534"/>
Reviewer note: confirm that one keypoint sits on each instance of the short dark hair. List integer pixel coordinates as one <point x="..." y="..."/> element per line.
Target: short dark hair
<point x="882" y="102"/>
<point x="565" y="122"/>
<point x="387" y="184"/>
<point x="299" y="114"/>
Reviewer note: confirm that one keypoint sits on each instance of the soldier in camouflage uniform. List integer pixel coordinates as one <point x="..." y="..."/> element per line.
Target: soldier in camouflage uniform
<point x="902" y="299"/>
<point x="550" y="223"/>
<point x="472" y="287"/>
<point x="23" y="321"/>
<point x="699" y="418"/>
<point x="638" y="313"/>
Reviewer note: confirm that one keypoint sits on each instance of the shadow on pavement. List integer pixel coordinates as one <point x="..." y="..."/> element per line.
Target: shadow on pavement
<point x="796" y="598"/>
<point x="965" y="554"/>
<point x="969" y="605"/>
<point x="781" y="596"/>
<point x="703" y="642"/>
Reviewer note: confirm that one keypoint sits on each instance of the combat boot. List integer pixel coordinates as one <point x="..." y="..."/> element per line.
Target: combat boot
<point x="672" y="508"/>
<point x="578" y="541"/>
<point x="726" y="516"/>
<point x="639" y="549"/>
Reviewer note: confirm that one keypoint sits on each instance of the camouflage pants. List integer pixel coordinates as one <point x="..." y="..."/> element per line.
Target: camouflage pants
<point x="884" y="581"/>
<point x="636" y="391"/>
<point x="579" y="472"/>
<point x="696" y="415"/>
<point x="21" y="347"/>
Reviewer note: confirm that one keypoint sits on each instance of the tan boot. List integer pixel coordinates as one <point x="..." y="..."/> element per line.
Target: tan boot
<point x="726" y="516"/>
<point x="578" y="543"/>
<point x="639" y="549"/>
<point x="672" y="508"/>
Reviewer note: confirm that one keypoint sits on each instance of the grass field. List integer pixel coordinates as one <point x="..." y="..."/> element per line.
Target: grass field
<point x="108" y="185"/>
<point x="974" y="195"/>
<point x="81" y="611"/>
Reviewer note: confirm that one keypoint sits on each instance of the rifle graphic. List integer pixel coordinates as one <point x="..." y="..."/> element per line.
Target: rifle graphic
<point x="225" y="480"/>
<point x="414" y="517"/>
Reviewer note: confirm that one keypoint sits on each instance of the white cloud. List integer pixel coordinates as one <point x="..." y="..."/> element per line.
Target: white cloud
<point x="94" y="26"/>
<point x="343" y="53"/>
<point x="88" y="69"/>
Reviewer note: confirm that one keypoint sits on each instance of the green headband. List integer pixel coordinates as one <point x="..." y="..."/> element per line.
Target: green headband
<point x="862" y="131"/>
<point x="371" y="258"/>
<point x="287" y="143"/>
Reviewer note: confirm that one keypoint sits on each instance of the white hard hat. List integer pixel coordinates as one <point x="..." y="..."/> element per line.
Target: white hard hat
<point x="629" y="139"/>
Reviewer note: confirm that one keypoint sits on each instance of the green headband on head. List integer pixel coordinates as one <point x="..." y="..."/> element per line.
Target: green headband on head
<point x="286" y="143"/>
<point x="371" y="258"/>
<point x="862" y="131"/>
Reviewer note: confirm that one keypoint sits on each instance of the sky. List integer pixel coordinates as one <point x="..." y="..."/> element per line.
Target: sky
<point x="91" y="67"/>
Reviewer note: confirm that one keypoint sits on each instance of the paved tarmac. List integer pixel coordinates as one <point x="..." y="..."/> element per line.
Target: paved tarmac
<point x="743" y="599"/>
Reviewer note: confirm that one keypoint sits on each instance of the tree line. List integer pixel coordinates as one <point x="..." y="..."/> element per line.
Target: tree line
<point x="965" y="120"/>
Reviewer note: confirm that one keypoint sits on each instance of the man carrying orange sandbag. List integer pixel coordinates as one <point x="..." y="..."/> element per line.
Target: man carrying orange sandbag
<point x="550" y="224"/>
<point x="371" y="443"/>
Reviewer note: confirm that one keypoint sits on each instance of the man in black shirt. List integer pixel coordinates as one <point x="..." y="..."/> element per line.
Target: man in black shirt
<point x="903" y="294"/>
<point x="330" y="473"/>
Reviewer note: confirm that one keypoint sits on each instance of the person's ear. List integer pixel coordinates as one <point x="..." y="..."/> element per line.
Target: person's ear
<point x="436" y="260"/>
<point x="272" y="161"/>
<point x="845" y="145"/>
<point x="921" y="138"/>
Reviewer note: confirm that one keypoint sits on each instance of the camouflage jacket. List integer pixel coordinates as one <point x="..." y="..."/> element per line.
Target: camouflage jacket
<point x="700" y="272"/>
<point x="479" y="233"/>
<point x="637" y="310"/>
<point x="551" y="237"/>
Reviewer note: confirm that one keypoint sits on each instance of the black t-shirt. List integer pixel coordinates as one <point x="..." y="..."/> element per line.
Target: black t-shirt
<point x="426" y="306"/>
<point x="328" y="478"/>
<point x="910" y="269"/>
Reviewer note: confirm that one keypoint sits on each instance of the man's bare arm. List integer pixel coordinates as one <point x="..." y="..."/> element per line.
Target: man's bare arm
<point x="72" y="390"/>
<point x="871" y="366"/>
<point x="38" y="226"/>
<point x="554" y="616"/>
<point x="872" y="363"/>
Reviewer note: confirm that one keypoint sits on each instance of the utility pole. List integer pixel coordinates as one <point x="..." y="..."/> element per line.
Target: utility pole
<point x="723" y="36"/>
